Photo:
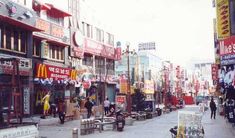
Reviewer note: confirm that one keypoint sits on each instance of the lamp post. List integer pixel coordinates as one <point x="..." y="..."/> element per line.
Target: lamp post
<point x="127" y="51"/>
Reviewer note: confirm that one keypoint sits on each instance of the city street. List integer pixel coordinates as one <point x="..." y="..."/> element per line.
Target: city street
<point x="157" y="127"/>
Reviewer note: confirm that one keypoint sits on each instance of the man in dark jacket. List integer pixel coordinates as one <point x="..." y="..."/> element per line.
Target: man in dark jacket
<point x="213" y="108"/>
<point x="88" y="106"/>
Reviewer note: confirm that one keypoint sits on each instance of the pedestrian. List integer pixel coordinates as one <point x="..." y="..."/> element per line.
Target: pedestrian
<point x="61" y="110"/>
<point x="213" y="108"/>
<point x="88" y="106"/>
<point x="46" y="105"/>
<point x="106" y="106"/>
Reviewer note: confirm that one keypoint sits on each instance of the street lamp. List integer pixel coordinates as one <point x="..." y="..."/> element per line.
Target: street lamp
<point x="127" y="51"/>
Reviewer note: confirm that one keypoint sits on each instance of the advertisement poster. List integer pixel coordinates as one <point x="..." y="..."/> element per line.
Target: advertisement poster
<point x="123" y="85"/>
<point x="189" y="124"/>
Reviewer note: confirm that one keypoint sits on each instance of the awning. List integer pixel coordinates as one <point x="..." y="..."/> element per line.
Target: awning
<point x="50" y="8"/>
<point x="18" y="23"/>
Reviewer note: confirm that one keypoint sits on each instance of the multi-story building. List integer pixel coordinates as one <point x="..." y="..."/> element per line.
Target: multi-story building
<point x="92" y="50"/>
<point x="17" y="24"/>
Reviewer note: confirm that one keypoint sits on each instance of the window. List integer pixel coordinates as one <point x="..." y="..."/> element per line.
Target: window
<point x="1" y="37"/>
<point x="88" y="33"/>
<point x="51" y="17"/>
<point x="23" y="42"/>
<point x="36" y="47"/>
<point x="98" y="34"/>
<point x="56" y="52"/>
<point x="83" y="28"/>
<point x="13" y="39"/>
<point x="8" y="37"/>
<point x="16" y="40"/>
<point x="109" y="39"/>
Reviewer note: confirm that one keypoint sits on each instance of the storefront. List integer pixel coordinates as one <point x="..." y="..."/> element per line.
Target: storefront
<point x="57" y="80"/>
<point x="226" y="71"/>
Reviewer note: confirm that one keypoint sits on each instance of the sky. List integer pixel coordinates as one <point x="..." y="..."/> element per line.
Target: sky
<point x="181" y="29"/>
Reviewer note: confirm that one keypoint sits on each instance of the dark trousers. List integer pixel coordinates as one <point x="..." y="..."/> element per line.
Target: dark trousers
<point x="61" y="117"/>
<point x="106" y="110"/>
<point x="213" y="112"/>
<point x="88" y="113"/>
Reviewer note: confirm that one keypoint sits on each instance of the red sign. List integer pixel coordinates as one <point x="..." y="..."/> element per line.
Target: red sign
<point x="214" y="71"/>
<point x="93" y="47"/>
<point x="108" y="51"/>
<point x="120" y="99"/>
<point x="118" y="53"/>
<point x="54" y="72"/>
<point x="227" y="46"/>
<point x="99" y="49"/>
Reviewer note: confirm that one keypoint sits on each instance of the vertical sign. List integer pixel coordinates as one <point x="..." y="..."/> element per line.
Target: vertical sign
<point x="26" y="101"/>
<point x="123" y="85"/>
<point x="223" y="20"/>
<point x="44" y="50"/>
<point x="214" y="73"/>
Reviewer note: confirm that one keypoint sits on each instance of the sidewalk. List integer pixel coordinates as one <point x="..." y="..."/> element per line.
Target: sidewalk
<point x="217" y="128"/>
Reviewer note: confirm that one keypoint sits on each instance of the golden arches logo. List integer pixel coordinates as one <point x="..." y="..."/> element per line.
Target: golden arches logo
<point x="73" y="74"/>
<point x="42" y="71"/>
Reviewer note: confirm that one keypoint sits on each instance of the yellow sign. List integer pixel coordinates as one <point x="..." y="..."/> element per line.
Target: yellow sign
<point x="223" y="18"/>
<point x="148" y="87"/>
<point x="123" y="86"/>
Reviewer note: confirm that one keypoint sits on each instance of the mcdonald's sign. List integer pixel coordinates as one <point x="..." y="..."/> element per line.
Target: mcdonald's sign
<point x="73" y="74"/>
<point x="41" y="71"/>
<point x="54" y="72"/>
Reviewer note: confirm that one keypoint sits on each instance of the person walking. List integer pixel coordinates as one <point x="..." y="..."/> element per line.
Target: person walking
<point x="61" y="110"/>
<point x="46" y="105"/>
<point x="88" y="106"/>
<point x="213" y="108"/>
<point x="106" y="106"/>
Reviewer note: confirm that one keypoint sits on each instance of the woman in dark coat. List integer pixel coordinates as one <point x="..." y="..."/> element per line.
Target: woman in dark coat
<point x="213" y="108"/>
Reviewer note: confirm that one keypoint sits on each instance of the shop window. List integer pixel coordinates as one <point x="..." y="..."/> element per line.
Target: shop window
<point x="8" y="37"/>
<point x="16" y="40"/>
<point x="36" y="47"/>
<point x="23" y="40"/>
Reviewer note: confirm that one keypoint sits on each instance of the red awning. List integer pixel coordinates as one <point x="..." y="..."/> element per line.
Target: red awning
<point x="56" y="12"/>
<point x="18" y="23"/>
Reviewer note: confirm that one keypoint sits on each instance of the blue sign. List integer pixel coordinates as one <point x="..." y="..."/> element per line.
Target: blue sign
<point x="227" y="59"/>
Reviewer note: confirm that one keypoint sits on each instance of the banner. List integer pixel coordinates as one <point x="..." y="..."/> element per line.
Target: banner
<point x="223" y="18"/>
<point x="227" y="46"/>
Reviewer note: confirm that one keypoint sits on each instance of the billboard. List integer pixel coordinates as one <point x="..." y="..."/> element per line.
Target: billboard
<point x="223" y="18"/>
<point x="146" y="46"/>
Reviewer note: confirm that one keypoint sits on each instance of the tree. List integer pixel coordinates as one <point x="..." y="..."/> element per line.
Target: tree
<point x="138" y="99"/>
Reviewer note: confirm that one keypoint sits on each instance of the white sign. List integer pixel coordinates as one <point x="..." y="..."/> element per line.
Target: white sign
<point x="26" y="101"/>
<point x="6" y="67"/>
<point x="147" y="46"/>
<point x="20" y="132"/>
